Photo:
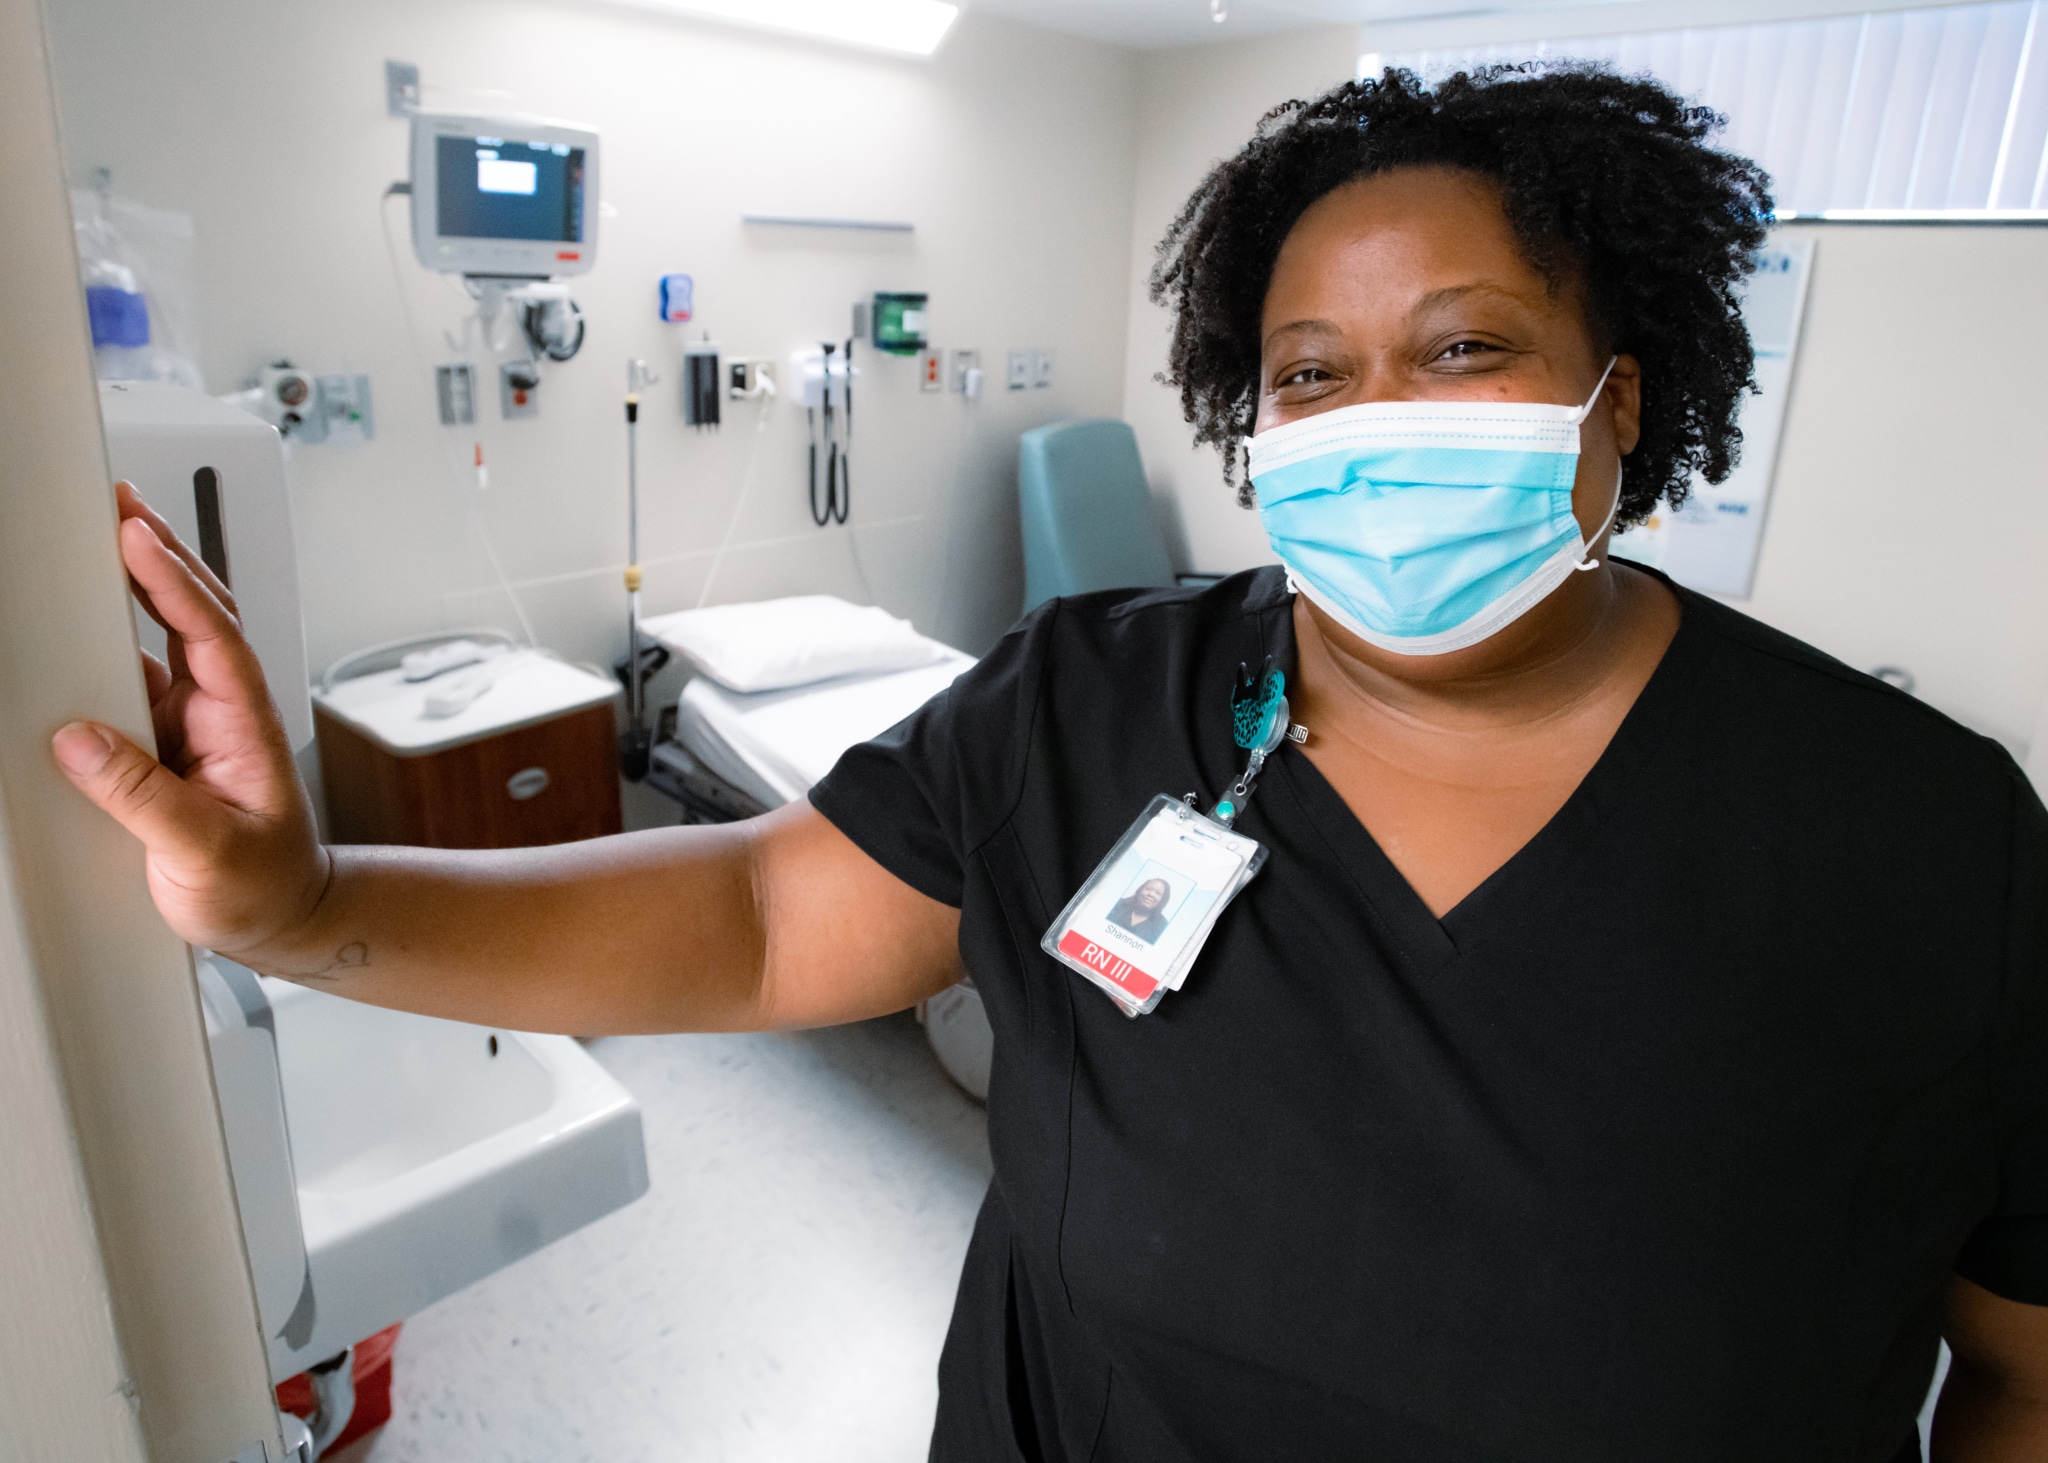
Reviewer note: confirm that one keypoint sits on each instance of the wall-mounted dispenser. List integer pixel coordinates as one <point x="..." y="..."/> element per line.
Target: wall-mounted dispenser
<point x="673" y="296"/>
<point x="700" y="382"/>
<point x="216" y="474"/>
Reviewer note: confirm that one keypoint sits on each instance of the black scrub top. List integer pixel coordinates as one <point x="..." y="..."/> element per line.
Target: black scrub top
<point x="1663" y="1144"/>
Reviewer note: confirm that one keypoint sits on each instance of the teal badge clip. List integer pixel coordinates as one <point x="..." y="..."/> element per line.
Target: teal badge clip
<point x="1258" y="723"/>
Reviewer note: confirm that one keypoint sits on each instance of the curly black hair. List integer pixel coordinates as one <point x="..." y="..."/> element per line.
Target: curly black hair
<point x="1607" y="183"/>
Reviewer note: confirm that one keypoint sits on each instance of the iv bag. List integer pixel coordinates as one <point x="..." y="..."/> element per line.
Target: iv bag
<point x="138" y="266"/>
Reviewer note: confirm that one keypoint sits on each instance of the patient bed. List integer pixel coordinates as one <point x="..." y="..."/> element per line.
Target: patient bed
<point x="736" y="743"/>
<point x="772" y="745"/>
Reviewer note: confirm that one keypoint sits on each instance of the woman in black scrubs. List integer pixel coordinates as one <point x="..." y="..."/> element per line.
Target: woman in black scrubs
<point x="1636" y="1044"/>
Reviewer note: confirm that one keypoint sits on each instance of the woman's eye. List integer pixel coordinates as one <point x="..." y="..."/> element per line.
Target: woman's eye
<point x="1304" y="376"/>
<point x="1464" y="350"/>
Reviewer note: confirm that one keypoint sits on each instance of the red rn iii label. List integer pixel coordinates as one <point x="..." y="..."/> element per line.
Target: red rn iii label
<point x="1111" y="966"/>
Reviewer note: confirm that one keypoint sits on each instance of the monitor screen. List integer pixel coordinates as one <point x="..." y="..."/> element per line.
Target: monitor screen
<point x="501" y="188"/>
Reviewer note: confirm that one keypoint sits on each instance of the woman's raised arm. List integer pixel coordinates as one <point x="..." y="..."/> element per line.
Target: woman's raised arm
<point x="780" y="921"/>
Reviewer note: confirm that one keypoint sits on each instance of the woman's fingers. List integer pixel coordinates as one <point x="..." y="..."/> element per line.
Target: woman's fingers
<point x="216" y="711"/>
<point x="171" y="818"/>
<point x="215" y="725"/>
<point x="163" y="709"/>
<point x="131" y="505"/>
<point x="207" y="635"/>
<point x="156" y="676"/>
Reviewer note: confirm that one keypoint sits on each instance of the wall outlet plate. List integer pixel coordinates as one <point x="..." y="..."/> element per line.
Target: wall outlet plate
<point x="958" y="364"/>
<point x="1041" y="366"/>
<point x="401" y="88"/>
<point x="1018" y="375"/>
<point x="345" y="402"/>
<point x="518" y="388"/>
<point x="455" y="393"/>
<point x="931" y="372"/>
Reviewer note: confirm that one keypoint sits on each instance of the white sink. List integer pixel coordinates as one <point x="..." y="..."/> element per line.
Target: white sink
<point x="430" y="1153"/>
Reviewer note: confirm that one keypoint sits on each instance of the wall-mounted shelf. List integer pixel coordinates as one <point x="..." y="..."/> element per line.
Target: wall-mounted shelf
<point x="806" y="221"/>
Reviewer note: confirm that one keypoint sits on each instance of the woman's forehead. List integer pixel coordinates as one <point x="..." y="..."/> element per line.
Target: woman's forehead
<point x="1410" y="240"/>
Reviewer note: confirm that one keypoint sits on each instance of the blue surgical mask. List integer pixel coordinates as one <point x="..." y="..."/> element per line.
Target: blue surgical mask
<point x="1426" y="526"/>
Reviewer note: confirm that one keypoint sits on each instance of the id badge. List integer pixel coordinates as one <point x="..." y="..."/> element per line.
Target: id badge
<point x="1138" y="922"/>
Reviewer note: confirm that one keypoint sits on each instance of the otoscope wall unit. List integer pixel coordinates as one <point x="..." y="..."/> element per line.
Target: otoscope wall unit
<point x="821" y="379"/>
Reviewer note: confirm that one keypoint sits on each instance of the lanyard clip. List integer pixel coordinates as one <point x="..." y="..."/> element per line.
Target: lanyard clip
<point x="1258" y="723"/>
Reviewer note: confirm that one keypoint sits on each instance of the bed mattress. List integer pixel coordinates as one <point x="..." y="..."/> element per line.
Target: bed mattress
<point x="772" y="745"/>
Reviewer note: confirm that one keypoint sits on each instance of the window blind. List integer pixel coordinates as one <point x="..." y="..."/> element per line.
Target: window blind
<point x="1936" y="110"/>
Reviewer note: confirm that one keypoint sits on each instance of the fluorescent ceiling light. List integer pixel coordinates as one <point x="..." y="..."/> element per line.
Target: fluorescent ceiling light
<point x="912" y="27"/>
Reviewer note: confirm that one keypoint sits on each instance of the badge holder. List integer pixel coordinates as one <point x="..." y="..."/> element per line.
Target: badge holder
<point x="1137" y="924"/>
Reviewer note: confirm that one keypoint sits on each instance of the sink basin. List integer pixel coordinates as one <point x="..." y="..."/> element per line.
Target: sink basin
<point x="430" y="1153"/>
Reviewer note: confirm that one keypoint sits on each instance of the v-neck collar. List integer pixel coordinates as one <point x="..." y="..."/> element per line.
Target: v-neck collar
<point x="1613" y="781"/>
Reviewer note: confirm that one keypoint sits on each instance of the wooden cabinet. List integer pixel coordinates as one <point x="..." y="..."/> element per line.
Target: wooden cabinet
<point x="533" y="760"/>
<point x="548" y="783"/>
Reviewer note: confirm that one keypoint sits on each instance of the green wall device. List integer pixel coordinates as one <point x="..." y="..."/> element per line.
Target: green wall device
<point x="898" y="324"/>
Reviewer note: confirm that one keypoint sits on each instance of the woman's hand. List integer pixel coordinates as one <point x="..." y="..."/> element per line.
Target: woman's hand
<point x="234" y="862"/>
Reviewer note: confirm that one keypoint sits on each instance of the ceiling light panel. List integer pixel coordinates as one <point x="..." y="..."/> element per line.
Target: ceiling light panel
<point x="907" y="27"/>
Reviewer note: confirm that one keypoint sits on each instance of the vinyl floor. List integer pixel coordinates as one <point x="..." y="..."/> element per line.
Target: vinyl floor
<point x="780" y="1293"/>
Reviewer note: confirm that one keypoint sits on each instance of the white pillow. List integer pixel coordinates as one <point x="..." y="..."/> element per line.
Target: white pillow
<point x="776" y="643"/>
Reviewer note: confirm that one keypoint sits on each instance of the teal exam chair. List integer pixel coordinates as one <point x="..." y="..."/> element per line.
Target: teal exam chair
<point x="1087" y="514"/>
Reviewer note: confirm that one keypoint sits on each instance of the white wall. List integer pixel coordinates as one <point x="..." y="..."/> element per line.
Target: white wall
<point x="1196" y="106"/>
<point x="1011" y="152"/>
<point x="1909" y="517"/>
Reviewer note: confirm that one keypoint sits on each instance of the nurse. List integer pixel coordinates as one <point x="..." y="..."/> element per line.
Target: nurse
<point x="1635" y="1045"/>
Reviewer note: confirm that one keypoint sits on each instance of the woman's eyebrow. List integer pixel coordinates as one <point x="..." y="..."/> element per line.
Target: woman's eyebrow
<point x="1450" y="294"/>
<point x="1303" y="327"/>
<point x="1434" y="300"/>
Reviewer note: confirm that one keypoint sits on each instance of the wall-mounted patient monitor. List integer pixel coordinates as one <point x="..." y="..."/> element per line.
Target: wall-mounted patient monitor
<point x="503" y="196"/>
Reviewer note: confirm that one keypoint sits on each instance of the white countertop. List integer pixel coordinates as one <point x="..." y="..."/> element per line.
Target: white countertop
<point x="529" y="686"/>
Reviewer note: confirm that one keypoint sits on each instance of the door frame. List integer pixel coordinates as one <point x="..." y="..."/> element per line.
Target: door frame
<point x="131" y="1326"/>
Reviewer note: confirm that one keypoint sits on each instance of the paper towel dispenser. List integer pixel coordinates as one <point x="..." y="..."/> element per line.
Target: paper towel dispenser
<point x="216" y="474"/>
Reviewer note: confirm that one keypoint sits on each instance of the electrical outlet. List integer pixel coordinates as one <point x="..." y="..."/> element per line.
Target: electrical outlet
<point x="1019" y="369"/>
<point x="958" y="364"/>
<point x="518" y="381"/>
<point x="931" y="374"/>
<point x="1041" y="366"/>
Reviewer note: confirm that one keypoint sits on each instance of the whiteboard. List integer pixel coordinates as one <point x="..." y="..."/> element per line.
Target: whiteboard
<point x="1711" y="543"/>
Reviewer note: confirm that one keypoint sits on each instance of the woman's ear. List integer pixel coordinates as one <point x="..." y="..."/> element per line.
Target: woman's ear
<point x="1624" y="395"/>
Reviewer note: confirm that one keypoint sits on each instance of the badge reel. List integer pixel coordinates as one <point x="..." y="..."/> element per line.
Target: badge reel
<point x="1139" y="921"/>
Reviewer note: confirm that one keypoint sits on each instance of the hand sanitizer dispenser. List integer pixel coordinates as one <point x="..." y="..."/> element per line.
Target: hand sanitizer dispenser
<point x="216" y="474"/>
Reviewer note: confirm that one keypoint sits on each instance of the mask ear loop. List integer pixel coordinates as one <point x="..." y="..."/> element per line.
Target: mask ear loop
<point x="1589" y="563"/>
<point x="1599" y="386"/>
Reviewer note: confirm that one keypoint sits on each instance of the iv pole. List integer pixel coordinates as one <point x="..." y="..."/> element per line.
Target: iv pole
<point x="636" y="742"/>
